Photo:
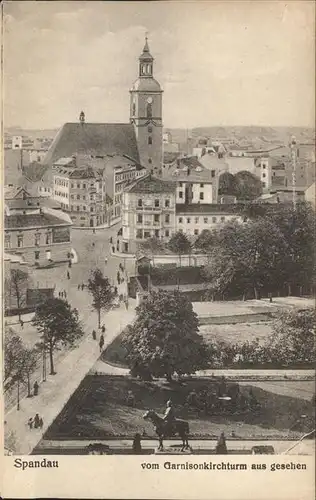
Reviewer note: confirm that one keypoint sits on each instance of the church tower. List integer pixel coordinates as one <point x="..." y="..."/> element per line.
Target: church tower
<point x="146" y="113"/>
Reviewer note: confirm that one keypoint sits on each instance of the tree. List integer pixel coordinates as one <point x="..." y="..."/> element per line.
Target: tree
<point x="205" y="241"/>
<point x="293" y="340"/>
<point x="179" y="244"/>
<point x="13" y="349"/>
<point x="248" y="186"/>
<point x="164" y="338"/>
<point x="227" y="184"/>
<point x="19" y="280"/>
<point x="29" y="361"/>
<point x="102" y="292"/>
<point x="151" y="246"/>
<point x="58" y="324"/>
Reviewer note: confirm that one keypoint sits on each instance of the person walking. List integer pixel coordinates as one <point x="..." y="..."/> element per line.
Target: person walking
<point x="30" y="423"/>
<point x="22" y="323"/>
<point x="36" y="421"/>
<point x="68" y="275"/>
<point x="82" y="286"/>
<point x="65" y="293"/>
<point x="41" y="423"/>
<point x="101" y="342"/>
<point x="35" y="388"/>
<point x="79" y="286"/>
<point x="221" y="448"/>
<point x="103" y="329"/>
<point x="94" y="335"/>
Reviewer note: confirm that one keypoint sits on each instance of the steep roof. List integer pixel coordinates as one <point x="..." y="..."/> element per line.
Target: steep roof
<point x="188" y="169"/>
<point x="97" y="139"/>
<point x="33" y="220"/>
<point x="34" y="171"/>
<point x="150" y="184"/>
<point x="31" y="203"/>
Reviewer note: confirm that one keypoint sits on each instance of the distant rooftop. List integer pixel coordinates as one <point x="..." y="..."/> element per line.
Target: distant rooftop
<point x="151" y="184"/>
<point x="33" y="220"/>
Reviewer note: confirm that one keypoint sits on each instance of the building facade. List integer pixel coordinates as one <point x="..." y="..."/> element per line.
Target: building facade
<point x="146" y="114"/>
<point x="193" y="219"/>
<point x="148" y="211"/>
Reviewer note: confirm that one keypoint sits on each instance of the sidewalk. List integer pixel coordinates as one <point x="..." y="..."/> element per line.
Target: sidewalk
<point x="55" y="392"/>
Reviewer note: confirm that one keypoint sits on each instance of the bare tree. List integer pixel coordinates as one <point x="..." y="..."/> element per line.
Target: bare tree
<point x="19" y="280"/>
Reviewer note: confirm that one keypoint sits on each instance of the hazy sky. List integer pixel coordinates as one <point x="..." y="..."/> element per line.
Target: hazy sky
<point x="219" y="63"/>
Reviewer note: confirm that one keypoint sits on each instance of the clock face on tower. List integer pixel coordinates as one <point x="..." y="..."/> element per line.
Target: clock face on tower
<point x="149" y="100"/>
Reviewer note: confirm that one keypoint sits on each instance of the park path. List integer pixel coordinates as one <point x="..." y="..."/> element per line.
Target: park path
<point x="56" y="391"/>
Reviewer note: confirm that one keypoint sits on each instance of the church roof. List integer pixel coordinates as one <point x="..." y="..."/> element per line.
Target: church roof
<point x="146" y="84"/>
<point x="150" y="184"/>
<point x="96" y="139"/>
<point x="146" y="55"/>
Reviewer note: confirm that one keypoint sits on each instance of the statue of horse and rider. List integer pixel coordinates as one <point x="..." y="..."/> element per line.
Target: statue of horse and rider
<point x="169" y="426"/>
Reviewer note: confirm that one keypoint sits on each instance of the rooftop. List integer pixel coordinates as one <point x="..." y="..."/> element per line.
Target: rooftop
<point x="207" y="208"/>
<point x="33" y="220"/>
<point x="96" y="139"/>
<point x="188" y="169"/>
<point x="31" y="203"/>
<point x="150" y="184"/>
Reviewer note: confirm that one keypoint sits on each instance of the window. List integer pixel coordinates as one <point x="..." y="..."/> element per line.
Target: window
<point x="263" y="175"/>
<point x="71" y="207"/>
<point x="205" y="220"/>
<point x="149" y="110"/>
<point x="150" y="129"/>
<point x="7" y="241"/>
<point x="72" y="197"/>
<point x="201" y="196"/>
<point x="72" y="185"/>
<point x="84" y="197"/>
<point x="82" y="218"/>
<point x="181" y="194"/>
<point x="214" y="220"/>
<point x="188" y="220"/>
<point x="150" y="160"/>
<point x="202" y="185"/>
<point x="167" y="218"/>
<point x="264" y="166"/>
<point x="139" y="219"/>
<point x="140" y="203"/>
<point x="37" y="254"/>
<point x="196" y="232"/>
<point x="48" y="239"/>
<point x="264" y="184"/>
<point x="146" y="234"/>
<point x="180" y="220"/>
<point x="212" y="173"/>
<point x="156" y="218"/>
<point x="167" y="233"/>
<point x="91" y="209"/>
<point x="167" y="203"/>
<point x="20" y="240"/>
<point x="84" y="186"/>
<point x="84" y="208"/>
<point x="150" y="140"/>
<point x="157" y="233"/>
<point x="196" y="220"/>
<point x="78" y="196"/>
<point x="180" y="184"/>
<point x="222" y="219"/>
<point x="78" y="208"/>
<point x="78" y="185"/>
<point x="139" y="234"/>
<point x="156" y="203"/>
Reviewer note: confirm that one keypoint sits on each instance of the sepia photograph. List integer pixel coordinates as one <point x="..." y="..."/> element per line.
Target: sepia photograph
<point x="158" y="230"/>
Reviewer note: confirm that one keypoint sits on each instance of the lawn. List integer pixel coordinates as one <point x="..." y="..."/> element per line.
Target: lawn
<point x="99" y="409"/>
<point x="238" y="333"/>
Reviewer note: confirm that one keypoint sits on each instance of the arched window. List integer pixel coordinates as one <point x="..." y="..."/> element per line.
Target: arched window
<point x="149" y="69"/>
<point x="150" y="129"/>
<point x="149" y="110"/>
<point x="150" y="140"/>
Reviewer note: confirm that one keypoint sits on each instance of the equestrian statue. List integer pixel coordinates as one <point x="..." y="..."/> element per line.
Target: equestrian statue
<point x="169" y="426"/>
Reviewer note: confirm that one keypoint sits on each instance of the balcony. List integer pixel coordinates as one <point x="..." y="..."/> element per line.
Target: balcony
<point x="149" y="209"/>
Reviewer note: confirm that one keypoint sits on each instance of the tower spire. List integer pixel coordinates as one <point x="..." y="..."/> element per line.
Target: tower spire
<point x="146" y="46"/>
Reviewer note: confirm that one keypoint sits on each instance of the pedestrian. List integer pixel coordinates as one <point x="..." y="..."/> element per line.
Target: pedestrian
<point x="41" y="423"/>
<point x="126" y="304"/>
<point x="59" y="294"/>
<point x="94" y="335"/>
<point x="111" y="240"/>
<point x="69" y="263"/>
<point x="137" y="447"/>
<point x="68" y="275"/>
<point x="93" y="244"/>
<point x="79" y="286"/>
<point x="101" y="342"/>
<point x="221" y="448"/>
<point x="36" y="421"/>
<point x="35" y="388"/>
<point x="82" y="286"/>
<point x="65" y="294"/>
<point x="115" y="290"/>
<point x="103" y="329"/>
<point x="118" y="277"/>
<point x="30" y="423"/>
<point x="93" y="231"/>
<point x="22" y="323"/>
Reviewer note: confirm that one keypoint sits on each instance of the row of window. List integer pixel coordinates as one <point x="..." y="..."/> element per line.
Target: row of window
<point x="140" y="234"/>
<point x="156" y="203"/>
<point x="125" y="176"/>
<point x="20" y="240"/>
<point x="78" y="185"/>
<point x="140" y="218"/>
<point x="205" y="220"/>
<point x="82" y="208"/>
